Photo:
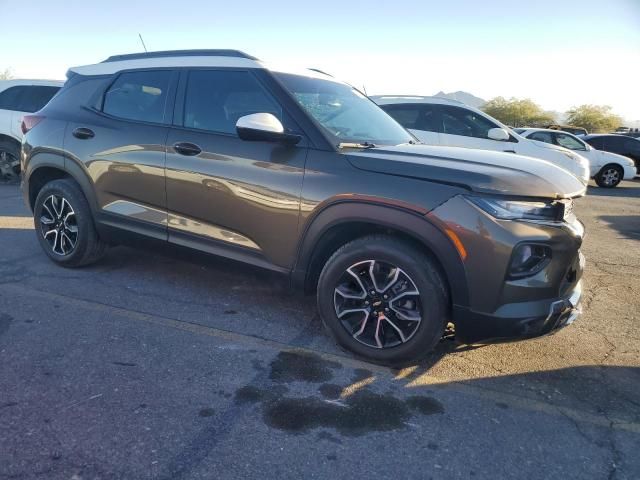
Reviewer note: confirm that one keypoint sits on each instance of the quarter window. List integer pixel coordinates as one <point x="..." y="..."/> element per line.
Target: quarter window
<point x="138" y="96"/>
<point x="459" y="121"/>
<point x="216" y="99"/>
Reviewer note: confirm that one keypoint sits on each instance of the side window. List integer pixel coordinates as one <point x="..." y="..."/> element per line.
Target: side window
<point x="405" y="115"/>
<point x="459" y="121"/>
<point x="596" y="143"/>
<point x="216" y="99"/>
<point x="545" y="137"/>
<point x="10" y="98"/>
<point x="430" y="120"/>
<point x="138" y="96"/>
<point x="614" y="144"/>
<point x="631" y="145"/>
<point x="35" y="97"/>
<point x="567" y="141"/>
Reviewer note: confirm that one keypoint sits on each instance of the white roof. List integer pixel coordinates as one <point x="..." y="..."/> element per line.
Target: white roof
<point x="111" y="67"/>
<point x="389" y="99"/>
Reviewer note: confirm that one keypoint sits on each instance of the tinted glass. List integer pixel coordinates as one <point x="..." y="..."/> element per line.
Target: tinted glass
<point x="138" y="96"/>
<point x="613" y="144"/>
<point x="430" y="121"/>
<point x="545" y="137"/>
<point x="215" y="100"/>
<point x="459" y="121"/>
<point x="567" y="141"/>
<point x="35" y="97"/>
<point x="595" y="142"/>
<point x="406" y="115"/>
<point x="342" y="112"/>
<point x="10" y="97"/>
<point x="632" y="145"/>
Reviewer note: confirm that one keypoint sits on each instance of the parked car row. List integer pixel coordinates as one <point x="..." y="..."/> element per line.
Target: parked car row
<point x="440" y="121"/>
<point x="17" y="98"/>
<point x="302" y="174"/>
<point x="607" y="169"/>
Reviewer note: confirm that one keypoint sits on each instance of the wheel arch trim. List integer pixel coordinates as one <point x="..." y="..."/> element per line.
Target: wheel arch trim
<point x="397" y="216"/>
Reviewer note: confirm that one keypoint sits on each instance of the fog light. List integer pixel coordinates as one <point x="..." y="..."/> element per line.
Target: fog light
<point x="528" y="259"/>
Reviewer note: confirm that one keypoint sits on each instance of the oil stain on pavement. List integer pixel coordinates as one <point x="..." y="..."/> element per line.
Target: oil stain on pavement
<point x="358" y="413"/>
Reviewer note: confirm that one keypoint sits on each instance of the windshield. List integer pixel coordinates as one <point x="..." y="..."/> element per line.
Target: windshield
<point x="345" y="114"/>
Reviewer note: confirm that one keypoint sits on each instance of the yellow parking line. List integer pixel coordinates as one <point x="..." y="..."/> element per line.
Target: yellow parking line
<point x="16" y="223"/>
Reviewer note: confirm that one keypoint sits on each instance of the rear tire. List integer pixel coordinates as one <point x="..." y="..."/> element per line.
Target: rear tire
<point x="402" y="306"/>
<point x="609" y="176"/>
<point x="9" y="160"/>
<point x="64" y="225"/>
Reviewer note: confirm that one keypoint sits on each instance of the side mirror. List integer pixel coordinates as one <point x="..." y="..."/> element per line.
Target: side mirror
<point x="499" y="134"/>
<point x="264" y="127"/>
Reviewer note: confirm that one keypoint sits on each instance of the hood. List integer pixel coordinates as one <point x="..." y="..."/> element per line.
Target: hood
<point x="480" y="171"/>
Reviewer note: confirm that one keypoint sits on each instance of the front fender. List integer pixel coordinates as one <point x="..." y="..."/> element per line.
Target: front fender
<point x="408" y="220"/>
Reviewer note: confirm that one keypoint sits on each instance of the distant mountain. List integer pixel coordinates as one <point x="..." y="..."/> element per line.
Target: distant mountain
<point x="464" y="97"/>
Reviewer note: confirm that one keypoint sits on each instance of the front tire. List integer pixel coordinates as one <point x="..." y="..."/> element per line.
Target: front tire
<point x="609" y="176"/>
<point x="64" y="225"/>
<point x="383" y="299"/>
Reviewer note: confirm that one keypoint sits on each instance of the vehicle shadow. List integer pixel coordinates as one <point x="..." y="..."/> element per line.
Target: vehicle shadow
<point x="627" y="188"/>
<point x="627" y="225"/>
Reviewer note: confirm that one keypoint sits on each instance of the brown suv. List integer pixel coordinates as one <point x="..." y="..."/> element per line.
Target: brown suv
<point x="302" y="174"/>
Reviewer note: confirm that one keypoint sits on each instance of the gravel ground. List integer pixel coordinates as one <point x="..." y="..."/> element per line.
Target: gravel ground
<point x="172" y="365"/>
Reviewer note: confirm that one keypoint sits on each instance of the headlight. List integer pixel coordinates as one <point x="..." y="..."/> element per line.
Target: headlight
<point x="521" y="210"/>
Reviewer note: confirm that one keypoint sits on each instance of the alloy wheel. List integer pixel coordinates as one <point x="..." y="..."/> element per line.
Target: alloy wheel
<point x="378" y="304"/>
<point x="611" y="176"/>
<point x="59" y="225"/>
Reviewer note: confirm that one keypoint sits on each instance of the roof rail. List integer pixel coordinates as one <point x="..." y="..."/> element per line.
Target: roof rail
<point x="180" y="53"/>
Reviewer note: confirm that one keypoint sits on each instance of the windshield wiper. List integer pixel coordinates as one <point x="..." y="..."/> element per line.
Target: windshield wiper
<point x="356" y="145"/>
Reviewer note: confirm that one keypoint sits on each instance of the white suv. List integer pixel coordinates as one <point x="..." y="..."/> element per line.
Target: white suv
<point x="441" y="121"/>
<point x="607" y="169"/>
<point x="17" y="98"/>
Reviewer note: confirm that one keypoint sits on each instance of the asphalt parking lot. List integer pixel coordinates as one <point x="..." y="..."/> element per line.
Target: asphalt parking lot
<point x="173" y="365"/>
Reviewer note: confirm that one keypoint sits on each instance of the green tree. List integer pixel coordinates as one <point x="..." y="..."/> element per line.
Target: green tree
<point x="595" y="118"/>
<point x="6" y="74"/>
<point x="518" y="113"/>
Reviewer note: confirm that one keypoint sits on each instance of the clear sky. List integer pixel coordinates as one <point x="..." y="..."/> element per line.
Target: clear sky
<point x="559" y="53"/>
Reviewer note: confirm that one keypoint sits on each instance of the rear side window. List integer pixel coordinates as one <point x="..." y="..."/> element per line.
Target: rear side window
<point x="138" y="96"/>
<point x="459" y="121"/>
<point x="35" y="97"/>
<point x="596" y="143"/>
<point x="216" y="99"/>
<point x="545" y="137"/>
<point x="10" y="98"/>
<point x="406" y="115"/>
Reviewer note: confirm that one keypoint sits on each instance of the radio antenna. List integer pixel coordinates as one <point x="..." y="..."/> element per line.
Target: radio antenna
<point x="143" y="45"/>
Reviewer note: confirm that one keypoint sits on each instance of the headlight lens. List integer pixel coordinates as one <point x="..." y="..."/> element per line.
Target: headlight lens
<point x="518" y="209"/>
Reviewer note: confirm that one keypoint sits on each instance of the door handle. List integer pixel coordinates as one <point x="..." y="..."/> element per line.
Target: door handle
<point x="509" y="151"/>
<point x="83" y="133"/>
<point x="187" y="149"/>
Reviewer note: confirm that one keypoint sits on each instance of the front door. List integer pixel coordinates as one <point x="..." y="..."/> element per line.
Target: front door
<point x="226" y="195"/>
<point x="465" y="128"/>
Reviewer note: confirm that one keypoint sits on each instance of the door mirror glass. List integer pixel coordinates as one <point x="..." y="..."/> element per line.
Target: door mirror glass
<point x="499" y="134"/>
<point x="264" y="127"/>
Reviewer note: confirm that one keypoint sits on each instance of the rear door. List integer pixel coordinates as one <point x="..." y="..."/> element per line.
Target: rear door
<point x="120" y="142"/>
<point x="226" y="195"/>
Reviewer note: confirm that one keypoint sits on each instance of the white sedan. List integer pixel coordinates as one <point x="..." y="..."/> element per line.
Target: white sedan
<point x="607" y="169"/>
